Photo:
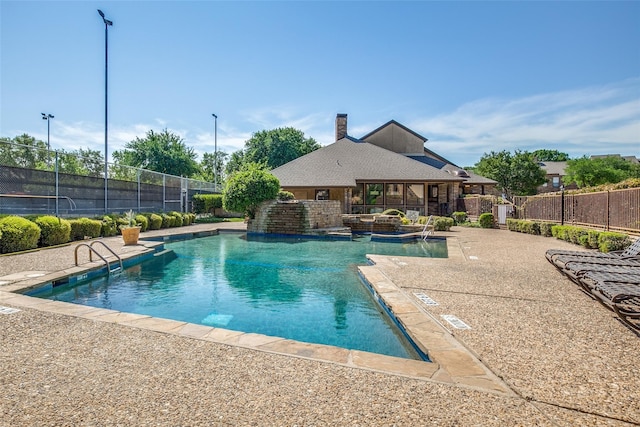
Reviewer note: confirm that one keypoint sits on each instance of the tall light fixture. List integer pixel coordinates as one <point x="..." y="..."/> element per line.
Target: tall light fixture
<point x="107" y="23"/>
<point x="48" y="118"/>
<point x="215" y="152"/>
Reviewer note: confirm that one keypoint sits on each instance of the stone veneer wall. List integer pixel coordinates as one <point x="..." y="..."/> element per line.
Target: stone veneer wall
<point x="296" y="216"/>
<point x="372" y="223"/>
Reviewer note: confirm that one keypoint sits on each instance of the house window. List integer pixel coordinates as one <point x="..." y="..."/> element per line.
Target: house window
<point x="556" y="181"/>
<point x="374" y="194"/>
<point x="415" y="194"/>
<point x="357" y="195"/>
<point x="433" y="192"/>
<point x="394" y="194"/>
<point x="322" y="194"/>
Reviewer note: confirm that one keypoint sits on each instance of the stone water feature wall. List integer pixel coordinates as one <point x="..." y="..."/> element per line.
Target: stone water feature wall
<point x="296" y="217"/>
<point x="368" y="223"/>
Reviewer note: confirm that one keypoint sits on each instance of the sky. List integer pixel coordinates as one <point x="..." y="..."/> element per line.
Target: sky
<point x="472" y="77"/>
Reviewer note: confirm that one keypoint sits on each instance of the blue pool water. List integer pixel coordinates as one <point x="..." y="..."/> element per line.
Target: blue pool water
<point x="305" y="290"/>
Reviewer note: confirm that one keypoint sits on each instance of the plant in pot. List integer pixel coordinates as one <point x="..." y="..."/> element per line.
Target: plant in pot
<point x="130" y="230"/>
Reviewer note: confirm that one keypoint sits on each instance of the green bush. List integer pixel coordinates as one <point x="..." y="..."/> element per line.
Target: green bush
<point x="575" y="234"/>
<point x="560" y="232"/>
<point x="442" y="223"/>
<point x="486" y="220"/>
<point x="545" y="228"/>
<point x="592" y="239"/>
<point x="513" y="224"/>
<point x="609" y="241"/>
<point x="109" y="226"/>
<point x="206" y="203"/>
<point x="283" y="196"/>
<point x="529" y="227"/>
<point x="85" y="227"/>
<point x="155" y="222"/>
<point x="459" y="217"/>
<point x="53" y="231"/>
<point x="18" y="234"/>
<point x="248" y="188"/>
<point x="177" y="219"/>
<point x="143" y="222"/>
<point x="167" y="220"/>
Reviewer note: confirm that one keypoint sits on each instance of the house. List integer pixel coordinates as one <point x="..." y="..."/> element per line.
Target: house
<point x="388" y="168"/>
<point x="554" y="174"/>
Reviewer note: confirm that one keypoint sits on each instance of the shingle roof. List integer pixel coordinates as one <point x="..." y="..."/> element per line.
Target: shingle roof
<point x="554" y="168"/>
<point x="348" y="160"/>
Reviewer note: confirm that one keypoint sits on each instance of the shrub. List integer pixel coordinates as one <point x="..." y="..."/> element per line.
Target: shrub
<point x="609" y="241"/>
<point x="85" y="227"/>
<point x="545" y="228"/>
<point x="486" y="220"/>
<point x="167" y="220"/>
<point x="575" y="233"/>
<point x="560" y="232"/>
<point x="155" y="222"/>
<point x="459" y="217"/>
<point x="529" y="227"/>
<point x="18" y="234"/>
<point x="592" y="239"/>
<point x="513" y="224"/>
<point x="53" y="231"/>
<point x="442" y="223"/>
<point x="177" y="219"/>
<point x="206" y="203"/>
<point x="143" y="222"/>
<point x="283" y="196"/>
<point x="109" y="226"/>
<point x="248" y="188"/>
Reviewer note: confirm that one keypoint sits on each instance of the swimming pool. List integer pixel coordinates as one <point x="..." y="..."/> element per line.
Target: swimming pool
<point x="305" y="290"/>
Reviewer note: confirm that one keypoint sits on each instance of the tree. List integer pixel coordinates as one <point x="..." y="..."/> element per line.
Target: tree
<point x="273" y="148"/>
<point x="545" y="155"/>
<point x="249" y="187"/>
<point x="212" y="167"/>
<point x="517" y="174"/>
<point x="587" y="172"/>
<point x="161" y="152"/>
<point x="24" y="151"/>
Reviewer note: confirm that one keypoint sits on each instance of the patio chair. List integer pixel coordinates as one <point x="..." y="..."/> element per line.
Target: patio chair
<point x="620" y="293"/>
<point x="561" y="261"/>
<point x="633" y="251"/>
<point x="575" y="269"/>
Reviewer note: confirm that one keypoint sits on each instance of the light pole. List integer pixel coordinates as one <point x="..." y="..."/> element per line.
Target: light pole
<point x="107" y="23"/>
<point x="215" y="152"/>
<point x="48" y="118"/>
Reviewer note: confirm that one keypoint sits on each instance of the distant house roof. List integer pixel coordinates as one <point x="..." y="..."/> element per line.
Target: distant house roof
<point x="348" y="160"/>
<point x="553" y="168"/>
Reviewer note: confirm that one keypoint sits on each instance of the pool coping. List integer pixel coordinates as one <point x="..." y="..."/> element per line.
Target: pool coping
<point x="451" y="362"/>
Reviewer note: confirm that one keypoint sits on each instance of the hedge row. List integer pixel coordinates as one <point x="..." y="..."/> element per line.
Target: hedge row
<point x="21" y="234"/>
<point x="605" y="241"/>
<point x="206" y="203"/>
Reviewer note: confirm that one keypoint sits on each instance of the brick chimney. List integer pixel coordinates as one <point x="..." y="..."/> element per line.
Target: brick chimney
<point x="341" y="126"/>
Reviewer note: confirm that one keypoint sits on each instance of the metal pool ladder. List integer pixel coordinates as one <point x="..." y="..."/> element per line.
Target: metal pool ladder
<point x="92" y="251"/>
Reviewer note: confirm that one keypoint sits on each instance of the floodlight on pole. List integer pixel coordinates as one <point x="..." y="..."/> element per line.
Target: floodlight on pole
<point x="215" y="152"/>
<point x="107" y="24"/>
<point x="48" y="118"/>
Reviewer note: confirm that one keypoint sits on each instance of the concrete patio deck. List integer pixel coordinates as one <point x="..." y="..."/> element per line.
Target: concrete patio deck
<point x="538" y="352"/>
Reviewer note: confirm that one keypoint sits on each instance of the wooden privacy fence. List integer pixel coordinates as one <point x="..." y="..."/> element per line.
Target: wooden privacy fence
<point x="475" y="206"/>
<point x="617" y="210"/>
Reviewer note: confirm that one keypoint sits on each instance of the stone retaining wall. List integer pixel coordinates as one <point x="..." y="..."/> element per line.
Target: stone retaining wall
<point x="296" y="216"/>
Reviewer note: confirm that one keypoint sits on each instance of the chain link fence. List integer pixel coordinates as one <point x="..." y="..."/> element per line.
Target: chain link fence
<point x="39" y="181"/>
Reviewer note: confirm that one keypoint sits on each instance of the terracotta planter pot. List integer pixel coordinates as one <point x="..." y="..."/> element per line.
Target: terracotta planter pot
<point x="130" y="235"/>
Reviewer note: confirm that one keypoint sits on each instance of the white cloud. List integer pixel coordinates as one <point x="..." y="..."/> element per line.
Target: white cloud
<point x="593" y="120"/>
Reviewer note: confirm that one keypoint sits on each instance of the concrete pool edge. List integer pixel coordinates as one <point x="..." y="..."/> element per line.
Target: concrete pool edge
<point x="452" y="363"/>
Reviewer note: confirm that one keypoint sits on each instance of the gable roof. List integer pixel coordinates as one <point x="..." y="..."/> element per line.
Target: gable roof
<point x="393" y="122"/>
<point x="348" y="160"/>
